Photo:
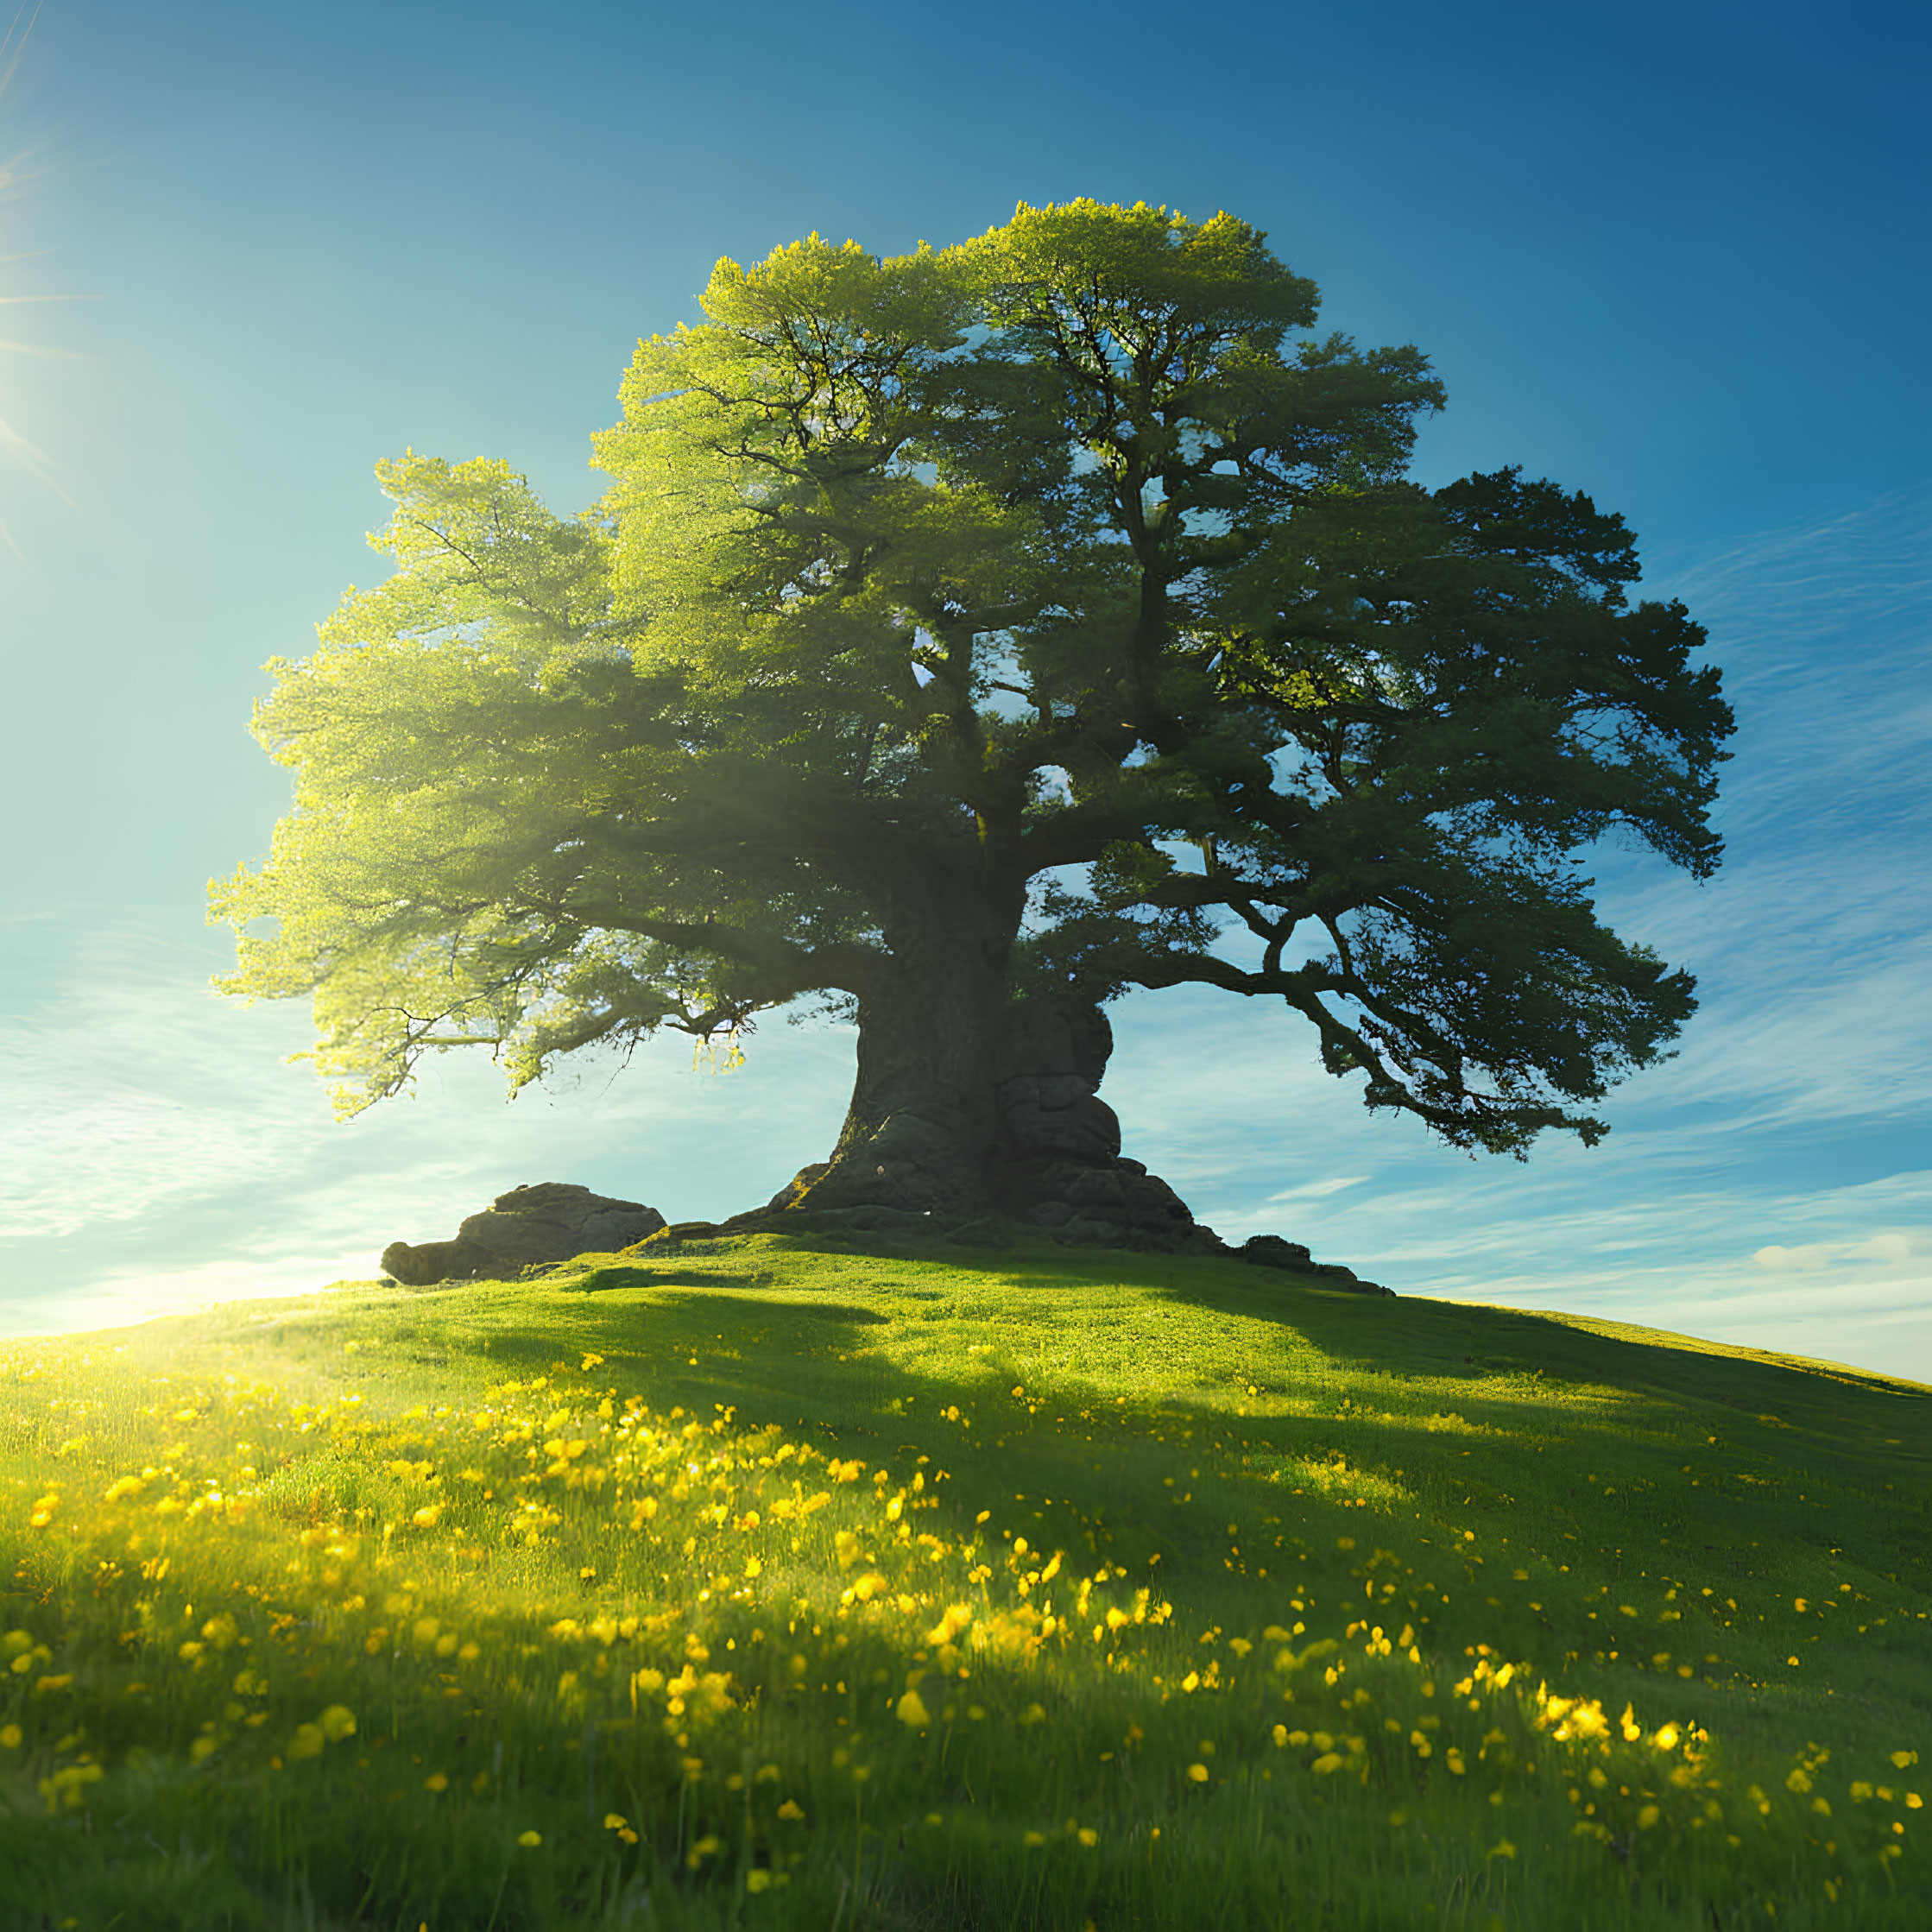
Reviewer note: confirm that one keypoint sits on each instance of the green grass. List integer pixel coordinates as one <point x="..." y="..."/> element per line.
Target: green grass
<point x="772" y="1584"/>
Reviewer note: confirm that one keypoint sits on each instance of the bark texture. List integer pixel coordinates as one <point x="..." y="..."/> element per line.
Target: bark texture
<point x="996" y="1119"/>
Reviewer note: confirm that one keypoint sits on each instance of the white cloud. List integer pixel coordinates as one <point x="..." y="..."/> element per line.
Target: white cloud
<point x="1316" y="1191"/>
<point x="1882" y="1248"/>
<point x="1886" y="1248"/>
<point x="1771" y="1184"/>
<point x="149" y="1133"/>
<point x="1783" y="1260"/>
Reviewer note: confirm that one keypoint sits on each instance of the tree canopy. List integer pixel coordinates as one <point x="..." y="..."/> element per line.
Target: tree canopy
<point x="1010" y="623"/>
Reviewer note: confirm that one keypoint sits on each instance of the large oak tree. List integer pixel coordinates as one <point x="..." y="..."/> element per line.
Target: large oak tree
<point x="965" y="637"/>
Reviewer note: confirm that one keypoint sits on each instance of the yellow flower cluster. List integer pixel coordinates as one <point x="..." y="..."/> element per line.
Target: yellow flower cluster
<point x="560" y="1561"/>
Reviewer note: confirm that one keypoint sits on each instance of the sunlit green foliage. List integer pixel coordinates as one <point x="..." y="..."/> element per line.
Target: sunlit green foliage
<point x="1011" y="617"/>
<point x="758" y="1586"/>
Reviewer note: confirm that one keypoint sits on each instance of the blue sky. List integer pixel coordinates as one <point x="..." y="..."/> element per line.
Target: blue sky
<point x="1676" y="257"/>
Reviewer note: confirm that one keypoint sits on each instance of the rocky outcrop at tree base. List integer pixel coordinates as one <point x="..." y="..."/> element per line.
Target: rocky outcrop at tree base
<point x="1058" y="1165"/>
<point x="1068" y="1173"/>
<point x="1046" y="1157"/>
<point x="1060" y="1168"/>
<point x="526" y="1228"/>
<point x="794" y="1190"/>
<point x="1143" y="1213"/>
<point x="1271" y="1250"/>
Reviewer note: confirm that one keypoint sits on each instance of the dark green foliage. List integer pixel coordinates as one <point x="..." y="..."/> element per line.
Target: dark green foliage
<point x="1048" y="614"/>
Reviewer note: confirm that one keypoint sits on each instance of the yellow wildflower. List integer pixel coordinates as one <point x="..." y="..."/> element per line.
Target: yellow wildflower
<point x="529" y="1839"/>
<point x="1587" y="1721"/>
<point x="910" y="1710"/>
<point x="948" y="1626"/>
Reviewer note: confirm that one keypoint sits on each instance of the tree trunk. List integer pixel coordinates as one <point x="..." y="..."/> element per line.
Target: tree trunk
<point x="923" y="1131"/>
<point x="972" y="1108"/>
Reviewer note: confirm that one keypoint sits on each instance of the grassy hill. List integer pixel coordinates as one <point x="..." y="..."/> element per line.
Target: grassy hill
<point x="764" y="1583"/>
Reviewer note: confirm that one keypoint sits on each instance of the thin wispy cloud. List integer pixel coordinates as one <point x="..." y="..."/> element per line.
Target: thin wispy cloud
<point x="154" y="1149"/>
<point x="1812" y="948"/>
<point x="1317" y="1191"/>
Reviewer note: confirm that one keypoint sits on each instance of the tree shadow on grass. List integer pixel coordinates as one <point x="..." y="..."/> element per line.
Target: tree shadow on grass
<point x="1152" y="1482"/>
<point x="1669" y="1377"/>
<point x="1399" y="1424"/>
<point x="1816" y="1425"/>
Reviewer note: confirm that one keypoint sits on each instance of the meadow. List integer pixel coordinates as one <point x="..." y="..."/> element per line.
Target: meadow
<point x="781" y="1583"/>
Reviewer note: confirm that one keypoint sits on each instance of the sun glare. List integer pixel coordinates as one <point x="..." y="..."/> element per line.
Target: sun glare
<point x="15" y="174"/>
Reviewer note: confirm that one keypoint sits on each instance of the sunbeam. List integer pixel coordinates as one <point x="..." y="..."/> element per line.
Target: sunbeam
<point x="21" y="451"/>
